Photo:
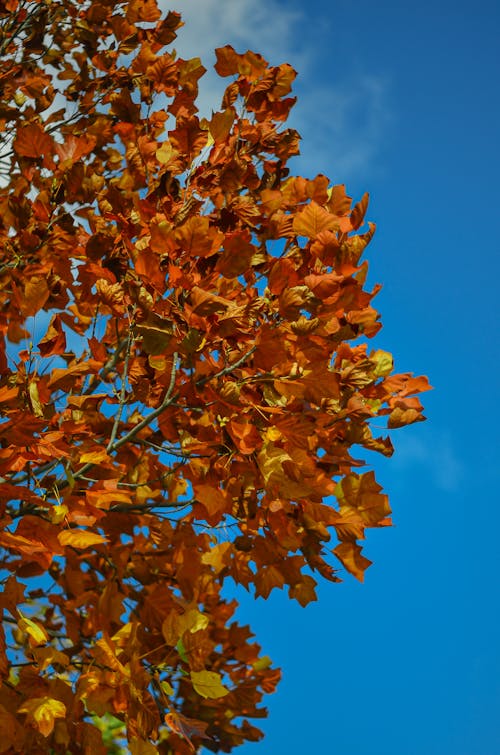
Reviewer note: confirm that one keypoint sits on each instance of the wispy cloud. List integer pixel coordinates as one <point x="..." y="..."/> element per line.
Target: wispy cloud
<point x="435" y="455"/>
<point x="248" y="24"/>
<point x="342" y="120"/>
<point x="344" y="125"/>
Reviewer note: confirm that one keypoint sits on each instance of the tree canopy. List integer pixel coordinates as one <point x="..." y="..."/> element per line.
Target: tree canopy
<point x="185" y="373"/>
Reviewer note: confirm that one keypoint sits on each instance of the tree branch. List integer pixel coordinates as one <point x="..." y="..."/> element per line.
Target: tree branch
<point x="169" y="399"/>
<point x="156" y="413"/>
<point x="227" y="370"/>
<point x="123" y="392"/>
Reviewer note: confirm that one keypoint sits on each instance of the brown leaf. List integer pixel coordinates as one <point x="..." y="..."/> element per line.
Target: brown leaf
<point x="32" y="141"/>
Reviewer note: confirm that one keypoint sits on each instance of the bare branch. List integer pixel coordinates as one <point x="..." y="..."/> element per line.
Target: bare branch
<point x="109" y="366"/>
<point x="156" y="413"/>
<point x="227" y="370"/>
<point x="123" y="393"/>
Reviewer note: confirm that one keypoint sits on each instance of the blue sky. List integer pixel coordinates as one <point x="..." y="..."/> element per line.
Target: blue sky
<point x="400" y="99"/>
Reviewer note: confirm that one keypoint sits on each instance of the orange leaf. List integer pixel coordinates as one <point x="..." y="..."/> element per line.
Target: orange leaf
<point x="30" y="550"/>
<point x="188" y="138"/>
<point x="399" y="417"/>
<point x="7" y="394"/>
<point x="49" y="656"/>
<point x="213" y="499"/>
<point x="186" y="727"/>
<point x="230" y="62"/>
<point x="312" y="220"/>
<point x="43" y="711"/>
<point x="74" y="148"/>
<point x="198" y="238"/>
<point x="350" y="556"/>
<point x="54" y="341"/>
<point x="359" y="211"/>
<point x="245" y="435"/>
<point x="64" y="378"/>
<point x="304" y="591"/>
<point x="36" y="293"/>
<point x="32" y="141"/>
<point x="80" y="539"/>
<point x="221" y="123"/>
<point x="142" y="747"/>
<point x="142" y="10"/>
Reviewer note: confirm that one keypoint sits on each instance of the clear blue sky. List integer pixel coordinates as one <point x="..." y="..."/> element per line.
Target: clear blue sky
<point x="401" y="99"/>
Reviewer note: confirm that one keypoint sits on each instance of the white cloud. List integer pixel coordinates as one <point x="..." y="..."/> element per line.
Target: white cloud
<point x="245" y="24"/>
<point x="341" y="119"/>
<point x="343" y="125"/>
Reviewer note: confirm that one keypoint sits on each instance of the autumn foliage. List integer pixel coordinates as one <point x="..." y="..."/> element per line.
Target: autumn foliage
<point x="184" y="373"/>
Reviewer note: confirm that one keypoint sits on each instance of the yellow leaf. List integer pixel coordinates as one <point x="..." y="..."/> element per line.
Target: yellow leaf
<point x="193" y="620"/>
<point x="121" y="637"/>
<point x="383" y="361"/>
<point x="158" y="362"/>
<point x="43" y="711"/>
<point x="272" y="433"/>
<point x="208" y="684"/>
<point x="165" y="153"/>
<point x="36" y="404"/>
<point x="94" y="456"/>
<point x="58" y="513"/>
<point x="80" y="538"/>
<point x="262" y="663"/>
<point x="36" y="633"/>
<point x="218" y="557"/>
<point x="176" y="624"/>
<point x="167" y="688"/>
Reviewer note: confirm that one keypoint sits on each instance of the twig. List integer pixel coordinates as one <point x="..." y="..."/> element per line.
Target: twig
<point x="169" y="399"/>
<point x="123" y="392"/>
<point x="109" y="366"/>
<point x="228" y="369"/>
<point x="156" y="413"/>
<point x="129" y="507"/>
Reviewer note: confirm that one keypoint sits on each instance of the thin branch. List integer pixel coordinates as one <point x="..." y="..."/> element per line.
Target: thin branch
<point x="156" y="413"/>
<point x="123" y="393"/>
<point x="43" y="469"/>
<point x="172" y="450"/>
<point x="130" y="507"/>
<point x="136" y="429"/>
<point x="227" y="370"/>
<point x="109" y="366"/>
<point x="169" y="399"/>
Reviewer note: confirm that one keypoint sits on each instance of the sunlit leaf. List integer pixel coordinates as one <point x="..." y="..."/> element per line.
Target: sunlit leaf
<point x="35" y="631"/>
<point x="208" y="684"/>
<point x="312" y="220"/>
<point x="43" y="711"/>
<point x="80" y="539"/>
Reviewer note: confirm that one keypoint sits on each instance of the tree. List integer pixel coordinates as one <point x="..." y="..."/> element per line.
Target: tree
<point x="184" y="372"/>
